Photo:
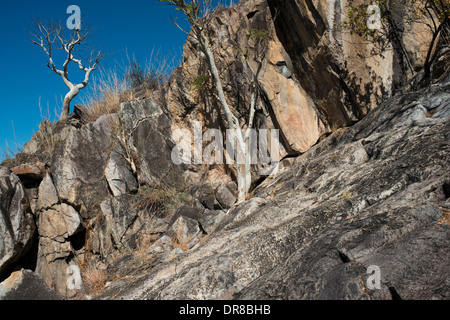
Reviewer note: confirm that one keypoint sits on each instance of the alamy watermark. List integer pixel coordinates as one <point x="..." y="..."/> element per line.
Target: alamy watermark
<point x="374" y="21"/>
<point x="263" y="147"/>
<point x="74" y="281"/>
<point x="374" y="280"/>
<point x="74" y="21"/>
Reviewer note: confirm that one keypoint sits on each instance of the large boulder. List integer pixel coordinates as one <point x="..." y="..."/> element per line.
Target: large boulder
<point x="17" y="227"/>
<point x="61" y="231"/>
<point x="59" y="243"/>
<point x="147" y="132"/>
<point x="211" y="219"/>
<point x="79" y="164"/>
<point x="225" y="196"/>
<point x="31" y="173"/>
<point x="185" y="233"/>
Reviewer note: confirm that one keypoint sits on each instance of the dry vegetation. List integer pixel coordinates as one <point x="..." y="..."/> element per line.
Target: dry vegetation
<point x="445" y="218"/>
<point x="106" y="92"/>
<point x="163" y="200"/>
<point x="95" y="279"/>
<point x="111" y="87"/>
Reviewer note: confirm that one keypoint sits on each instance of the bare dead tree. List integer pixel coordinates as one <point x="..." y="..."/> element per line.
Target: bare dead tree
<point x="51" y="36"/>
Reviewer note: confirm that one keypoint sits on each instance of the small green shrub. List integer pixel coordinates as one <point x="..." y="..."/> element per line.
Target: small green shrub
<point x="199" y="82"/>
<point x="259" y="35"/>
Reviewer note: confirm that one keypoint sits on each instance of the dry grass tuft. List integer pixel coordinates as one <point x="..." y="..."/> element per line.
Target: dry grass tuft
<point x="94" y="278"/>
<point x="111" y="87"/>
<point x="347" y="194"/>
<point x="163" y="200"/>
<point x="106" y="92"/>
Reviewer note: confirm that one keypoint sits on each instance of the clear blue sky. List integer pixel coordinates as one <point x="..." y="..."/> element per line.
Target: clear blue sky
<point x="136" y="26"/>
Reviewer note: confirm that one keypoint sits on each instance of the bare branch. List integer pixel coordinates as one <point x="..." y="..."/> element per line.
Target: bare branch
<point x="431" y="17"/>
<point x="424" y="23"/>
<point x="46" y="35"/>
<point x="174" y="21"/>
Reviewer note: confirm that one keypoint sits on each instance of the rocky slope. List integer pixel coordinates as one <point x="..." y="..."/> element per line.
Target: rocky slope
<point x="372" y="195"/>
<point x="357" y="188"/>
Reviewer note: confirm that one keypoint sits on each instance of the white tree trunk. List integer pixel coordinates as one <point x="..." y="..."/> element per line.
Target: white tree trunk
<point x="67" y="100"/>
<point x="243" y="170"/>
<point x="247" y="167"/>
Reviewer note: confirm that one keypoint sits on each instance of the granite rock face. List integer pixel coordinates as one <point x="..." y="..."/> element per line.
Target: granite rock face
<point x="17" y="226"/>
<point x="25" y="285"/>
<point x="372" y="196"/>
<point x="362" y="187"/>
<point x="147" y="127"/>
<point x="89" y="179"/>
<point x="313" y="76"/>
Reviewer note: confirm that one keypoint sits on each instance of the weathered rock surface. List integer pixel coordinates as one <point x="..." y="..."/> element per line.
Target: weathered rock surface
<point x="79" y="163"/>
<point x="58" y="226"/>
<point x="225" y="196"/>
<point x="121" y="224"/>
<point x="211" y="219"/>
<point x="313" y="76"/>
<point x="30" y="174"/>
<point x="17" y="227"/>
<point x="247" y="30"/>
<point x="372" y="195"/>
<point x="119" y="174"/>
<point x="185" y="232"/>
<point x="25" y="285"/>
<point x="375" y="194"/>
<point x="92" y="175"/>
<point x="88" y="174"/>
<point x="148" y="131"/>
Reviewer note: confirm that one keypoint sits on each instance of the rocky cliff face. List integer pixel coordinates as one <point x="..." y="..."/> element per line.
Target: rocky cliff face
<point x="371" y="195"/>
<point x="362" y="184"/>
<point x="314" y="76"/>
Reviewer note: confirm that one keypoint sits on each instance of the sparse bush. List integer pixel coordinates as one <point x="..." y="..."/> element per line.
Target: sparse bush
<point x="155" y="72"/>
<point x="259" y="35"/>
<point x="146" y="239"/>
<point x="94" y="278"/>
<point x="138" y="78"/>
<point x="46" y="137"/>
<point x="111" y="87"/>
<point x="108" y="90"/>
<point x="199" y="82"/>
<point x="8" y="154"/>
<point x="163" y="200"/>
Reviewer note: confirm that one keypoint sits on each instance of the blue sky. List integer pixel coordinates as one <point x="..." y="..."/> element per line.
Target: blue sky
<point x="133" y="26"/>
